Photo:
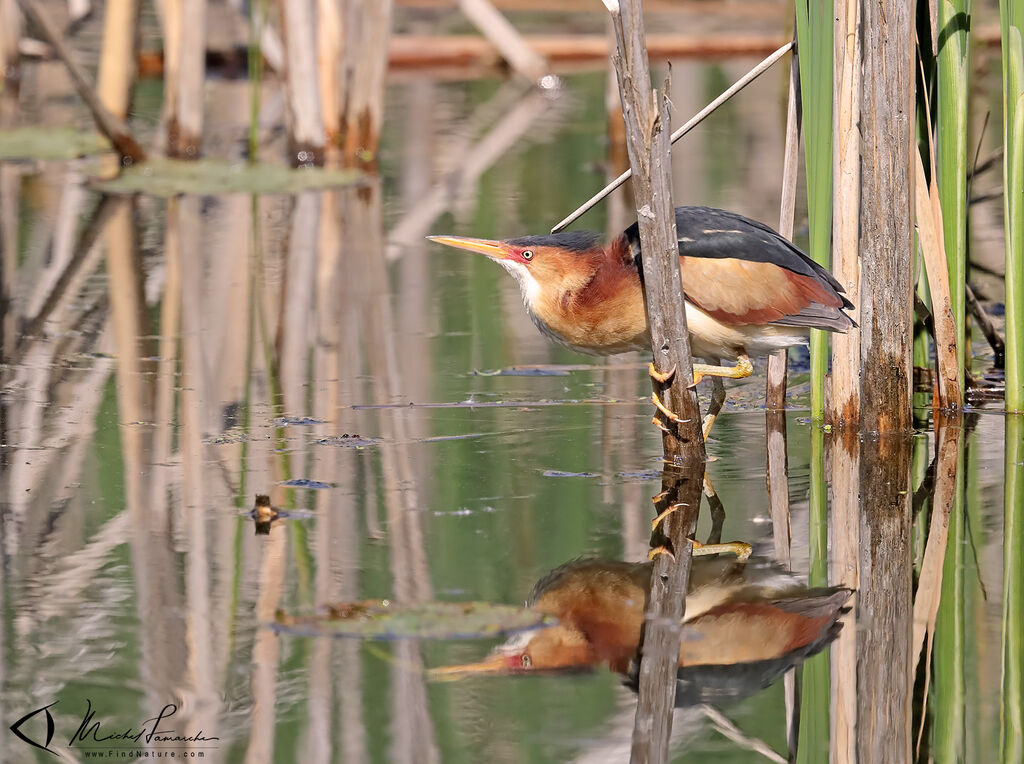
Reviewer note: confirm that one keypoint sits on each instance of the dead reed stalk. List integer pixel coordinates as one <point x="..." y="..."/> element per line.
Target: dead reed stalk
<point x="184" y="73"/>
<point x="367" y="28"/>
<point x="110" y="124"/>
<point x="886" y="240"/>
<point x="647" y="141"/>
<point x="305" y="124"/>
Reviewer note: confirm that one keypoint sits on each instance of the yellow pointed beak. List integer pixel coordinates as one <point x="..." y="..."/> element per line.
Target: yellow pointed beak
<point x="491" y="664"/>
<point x="489" y="247"/>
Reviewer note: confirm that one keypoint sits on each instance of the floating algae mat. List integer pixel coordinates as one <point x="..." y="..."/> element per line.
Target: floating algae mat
<point x="382" y="619"/>
<point x="50" y="143"/>
<point x="168" y="177"/>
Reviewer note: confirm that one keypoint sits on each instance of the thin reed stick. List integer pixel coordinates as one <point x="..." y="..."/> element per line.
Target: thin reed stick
<point x="111" y="125"/>
<point x="950" y="161"/>
<point x="814" y="37"/>
<point x="697" y="118"/>
<point x="1011" y="16"/>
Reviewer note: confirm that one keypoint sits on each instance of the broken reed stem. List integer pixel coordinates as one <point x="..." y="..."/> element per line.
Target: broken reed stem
<point x="305" y="125"/>
<point x="112" y="127"/>
<point x="697" y="118"/>
<point x="184" y="95"/>
<point x="647" y="122"/>
<point x="364" y="67"/>
<point x="929" y="227"/>
<point x="502" y="35"/>
<point x="844" y="389"/>
<point x="886" y="238"/>
<point x="775" y="389"/>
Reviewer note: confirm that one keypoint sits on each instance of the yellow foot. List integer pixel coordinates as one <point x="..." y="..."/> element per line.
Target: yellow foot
<point x="743" y="368"/>
<point x="657" y="521"/>
<point x="657" y="376"/>
<point x="668" y="413"/>
<point x="659" y="550"/>
<point x="741" y="549"/>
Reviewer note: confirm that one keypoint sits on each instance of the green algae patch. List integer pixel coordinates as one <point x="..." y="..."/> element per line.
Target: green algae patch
<point x="209" y="177"/>
<point x="50" y="143"/>
<point x="386" y="620"/>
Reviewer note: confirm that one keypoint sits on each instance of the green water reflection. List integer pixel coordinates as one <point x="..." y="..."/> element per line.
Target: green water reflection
<point x="132" y="577"/>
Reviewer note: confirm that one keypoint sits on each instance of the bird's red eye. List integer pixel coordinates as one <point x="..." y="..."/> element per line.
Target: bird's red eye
<point x="527" y="254"/>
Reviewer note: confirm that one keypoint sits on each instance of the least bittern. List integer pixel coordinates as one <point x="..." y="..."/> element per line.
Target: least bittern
<point x="748" y="290"/>
<point x="747" y="617"/>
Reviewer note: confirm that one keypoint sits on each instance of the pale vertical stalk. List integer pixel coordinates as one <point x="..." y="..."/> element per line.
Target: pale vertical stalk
<point x="814" y="38"/>
<point x="886" y="239"/>
<point x="305" y="123"/>
<point x="117" y="58"/>
<point x="844" y="393"/>
<point x="10" y="33"/>
<point x="1011" y="15"/>
<point x="775" y="391"/>
<point x="174" y="30"/>
<point x="329" y="37"/>
<point x="367" y="28"/>
<point x="951" y="160"/>
<point x="184" y="94"/>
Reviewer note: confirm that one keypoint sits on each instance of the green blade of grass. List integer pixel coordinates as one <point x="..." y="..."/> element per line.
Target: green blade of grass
<point x="952" y="68"/>
<point x="1011" y="16"/>
<point x="814" y="41"/>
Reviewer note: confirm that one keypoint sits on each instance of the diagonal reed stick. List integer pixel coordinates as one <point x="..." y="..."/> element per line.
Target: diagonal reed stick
<point x="699" y="117"/>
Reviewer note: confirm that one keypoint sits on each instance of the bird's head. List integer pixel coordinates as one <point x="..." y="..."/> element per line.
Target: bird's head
<point x="544" y="266"/>
<point x="552" y="648"/>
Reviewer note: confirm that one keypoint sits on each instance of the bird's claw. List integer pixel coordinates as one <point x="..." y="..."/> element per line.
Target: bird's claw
<point x="657" y="376"/>
<point x="665" y="410"/>
<point x="660" y="550"/>
<point x="657" y="521"/>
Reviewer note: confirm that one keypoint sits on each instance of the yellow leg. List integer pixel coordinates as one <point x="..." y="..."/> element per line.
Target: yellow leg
<point x="741" y="549"/>
<point x="743" y="368"/>
<point x="715" y="407"/>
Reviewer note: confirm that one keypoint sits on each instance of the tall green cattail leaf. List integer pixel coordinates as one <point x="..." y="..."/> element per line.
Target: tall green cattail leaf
<point x="1011" y="15"/>
<point x="814" y="25"/>
<point x="954" y="20"/>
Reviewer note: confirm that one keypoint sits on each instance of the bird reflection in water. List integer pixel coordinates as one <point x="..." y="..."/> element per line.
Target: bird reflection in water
<point x="747" y="622"/>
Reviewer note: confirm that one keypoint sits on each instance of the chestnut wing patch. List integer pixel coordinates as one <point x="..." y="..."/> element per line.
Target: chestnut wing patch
<point x="740" y="292"/>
